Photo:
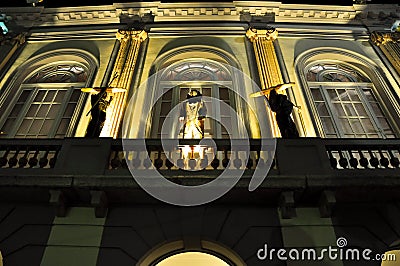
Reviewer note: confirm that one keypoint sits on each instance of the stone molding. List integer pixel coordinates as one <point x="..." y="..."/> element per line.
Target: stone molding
<point x="226" y="11"/>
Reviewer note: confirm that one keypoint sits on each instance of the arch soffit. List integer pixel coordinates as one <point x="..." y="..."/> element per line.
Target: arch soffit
<point x="194" y="51"/>
<point x="357" y="61"/>
<point x="35" y="63"/>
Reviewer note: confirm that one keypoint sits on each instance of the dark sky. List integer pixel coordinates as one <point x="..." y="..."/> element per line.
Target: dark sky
<point x="66" y="3"/>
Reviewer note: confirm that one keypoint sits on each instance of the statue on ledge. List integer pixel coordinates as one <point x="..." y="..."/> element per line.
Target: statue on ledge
<point x="192" y="114"/>
<point x="99" y="107"/>
<point x="282" y="108"/>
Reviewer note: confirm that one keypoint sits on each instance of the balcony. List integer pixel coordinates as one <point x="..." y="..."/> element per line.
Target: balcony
<point x="355" y="169"/>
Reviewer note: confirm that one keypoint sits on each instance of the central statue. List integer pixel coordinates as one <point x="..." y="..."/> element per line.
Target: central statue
<point x="192" y="114"/>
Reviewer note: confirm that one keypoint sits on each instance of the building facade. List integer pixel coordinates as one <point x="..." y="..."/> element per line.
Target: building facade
<point x="68" y="196"/>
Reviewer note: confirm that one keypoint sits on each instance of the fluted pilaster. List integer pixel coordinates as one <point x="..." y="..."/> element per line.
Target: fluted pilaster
<point x="8" y="46"/>
<point x="124" y="69"/>
<point x="389" y="43"/>
<point x="267" y="62"/>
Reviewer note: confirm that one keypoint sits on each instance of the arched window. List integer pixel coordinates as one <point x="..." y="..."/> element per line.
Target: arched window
<point x="210" y="78"/>
<point x="343" y="98"/>
<point x="46" y="103"/>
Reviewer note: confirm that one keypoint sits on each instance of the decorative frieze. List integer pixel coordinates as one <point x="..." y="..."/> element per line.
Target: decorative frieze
<point x="40" y="16"/>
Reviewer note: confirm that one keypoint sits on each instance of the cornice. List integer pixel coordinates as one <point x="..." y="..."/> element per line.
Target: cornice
<point x="376" y="15"/>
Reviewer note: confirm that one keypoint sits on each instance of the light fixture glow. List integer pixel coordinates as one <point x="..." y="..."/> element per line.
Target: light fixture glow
<point x="192" y="259"/>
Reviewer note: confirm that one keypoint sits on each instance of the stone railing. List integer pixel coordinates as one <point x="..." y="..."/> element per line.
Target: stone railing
<point x="100" y="156"/>
<point x="364" y="154"/>
<point x="26" y="153"/>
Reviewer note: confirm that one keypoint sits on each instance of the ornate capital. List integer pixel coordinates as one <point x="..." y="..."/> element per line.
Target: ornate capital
<point x="381" y="38"/>
<point x="124" y="35"/>
<point x="269" y="34"/>
<point x="12" y="38"/>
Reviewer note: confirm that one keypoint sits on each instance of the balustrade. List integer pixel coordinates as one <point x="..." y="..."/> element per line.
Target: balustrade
<point x="26" y="153"/>
<point x="372" y="154"/>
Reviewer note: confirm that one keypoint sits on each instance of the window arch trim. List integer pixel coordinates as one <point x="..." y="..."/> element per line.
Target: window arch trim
<point x="358" y="62"/>
<point x="17" y="84"/>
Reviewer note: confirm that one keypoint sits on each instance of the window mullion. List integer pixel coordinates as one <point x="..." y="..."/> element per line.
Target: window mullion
<point x="370" y="113"/>
<point x="217" y="114"/>
<point x="25" y="108"/>
<point x="331" y="111"/>
<point x="64" y="104"/>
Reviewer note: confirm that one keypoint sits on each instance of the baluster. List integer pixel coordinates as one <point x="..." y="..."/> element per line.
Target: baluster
<point x="136" y="161"/>
<point x="215" y="162"/>
<point x="237" y="162"/>
<point x="204" y="162"/>
<point x="33" y="161"/>
<point x="363" y="161"/>
<point x="52" y="161"/>
<point x="192" y="163"/>
<point x="44" y="160"/>
<point x="180" y="162"/>
<point x="393" y="160"/>
<point x="260" y="161"/>
<point x="115" y="162"/>
<point x="373" y="160"/>
<point x="23" y="161"/>
<point x="158" y="163"/>
<point x="250" y="163"/>
<point x="4" y="160"/>
<point x="332" y="159"/>
<point x="147" y="163"/>
<point x="225" y="161"/>
<point x="13" y="160"/>
<point x="353" y="161"/>
<point x="383" y="161"/>
<point x="343" y="161"/>
<point x="168" y="162"/>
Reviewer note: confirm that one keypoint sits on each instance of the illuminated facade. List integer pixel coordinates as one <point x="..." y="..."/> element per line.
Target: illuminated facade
<point x="339" y="179"/>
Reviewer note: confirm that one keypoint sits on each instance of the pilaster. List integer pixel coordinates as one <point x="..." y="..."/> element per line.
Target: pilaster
<point x="389" y="43"/>
<point x="123" y="71"/>
<point x="8" y="46"/>
<point x="267" y="62"/>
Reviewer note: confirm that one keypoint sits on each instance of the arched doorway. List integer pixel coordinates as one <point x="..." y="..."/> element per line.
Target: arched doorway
<point x="193" y="259"/>
<point x="191" y="252"/>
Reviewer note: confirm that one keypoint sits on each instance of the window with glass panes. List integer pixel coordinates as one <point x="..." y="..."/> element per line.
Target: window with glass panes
<point x="199" y="75"/>
<point x="45" y="104"/>
<point x="346" y="103"/>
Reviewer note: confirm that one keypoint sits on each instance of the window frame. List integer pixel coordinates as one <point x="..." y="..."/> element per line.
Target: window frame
<point x="215" y="86"/>
<point x="19" y="81"/>
<point x="381" y="87"/>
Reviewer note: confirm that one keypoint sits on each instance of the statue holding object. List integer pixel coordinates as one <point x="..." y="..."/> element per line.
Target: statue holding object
<point x="99" y="107"/>
<point x="192" y="114"/>
<point x="98" y="114"/>
<point x="282" y="108"/>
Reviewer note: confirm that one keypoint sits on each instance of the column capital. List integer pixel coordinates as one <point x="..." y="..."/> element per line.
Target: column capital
<point x="269" y="33"/>
<point x="380" y="38"/>
<point x="12" y="38"/>
<point x="124" y="35"/>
